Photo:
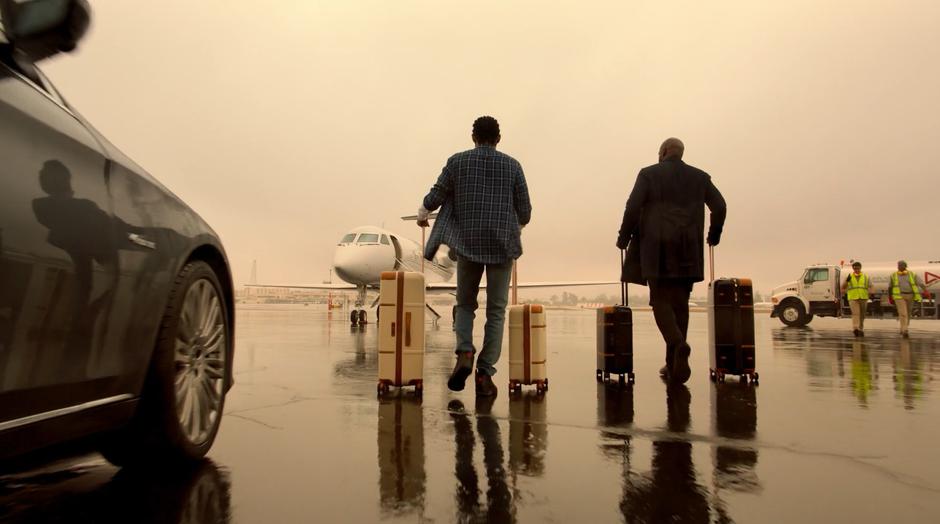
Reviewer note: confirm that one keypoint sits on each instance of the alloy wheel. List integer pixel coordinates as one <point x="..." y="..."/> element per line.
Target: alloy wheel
<point x="200" y="361"/>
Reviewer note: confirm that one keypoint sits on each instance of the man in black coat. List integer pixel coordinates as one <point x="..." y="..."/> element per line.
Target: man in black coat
<point x="663" y="224"/>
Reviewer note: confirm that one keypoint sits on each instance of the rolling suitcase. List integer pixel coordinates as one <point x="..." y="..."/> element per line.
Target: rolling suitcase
<point x="615" y="340"/>
<point x="527" y="347"/>
<point x="730" y="326"/>
<point x="401" y="330"/>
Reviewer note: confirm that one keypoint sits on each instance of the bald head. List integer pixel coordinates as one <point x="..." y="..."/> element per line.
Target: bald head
<point x="671" y="148"/>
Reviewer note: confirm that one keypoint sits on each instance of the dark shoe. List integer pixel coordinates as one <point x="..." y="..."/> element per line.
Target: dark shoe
<point x="462" y="370"/>
<point x="905" y="335"/>
<point x="680" y="365"/>
<point x="855" y="332"/>
<point x="485" y="386"/>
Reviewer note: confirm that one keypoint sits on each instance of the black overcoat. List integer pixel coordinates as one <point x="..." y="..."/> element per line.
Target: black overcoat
<point x="664" y="220"/>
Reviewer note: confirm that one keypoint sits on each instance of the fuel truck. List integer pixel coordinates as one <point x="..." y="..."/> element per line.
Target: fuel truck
<point x="819" y="292"/>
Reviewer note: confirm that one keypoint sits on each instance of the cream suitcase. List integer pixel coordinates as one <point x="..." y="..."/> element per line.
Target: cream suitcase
<point x="401" y="330"/>
<point x="527" y="347"/>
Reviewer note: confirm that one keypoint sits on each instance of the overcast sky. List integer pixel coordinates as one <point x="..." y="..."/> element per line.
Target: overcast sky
<point x="286" y="124"/>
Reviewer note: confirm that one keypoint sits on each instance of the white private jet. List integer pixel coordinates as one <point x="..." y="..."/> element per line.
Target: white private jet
<point x="363" y="254"/>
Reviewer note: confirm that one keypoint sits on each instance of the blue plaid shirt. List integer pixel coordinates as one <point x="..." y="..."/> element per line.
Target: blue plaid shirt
<point x="484" y="202"/>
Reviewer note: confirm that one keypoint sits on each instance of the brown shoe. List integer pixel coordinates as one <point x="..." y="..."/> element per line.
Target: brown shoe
<point x="462" y="370"/>
<point x="485" y="386"/>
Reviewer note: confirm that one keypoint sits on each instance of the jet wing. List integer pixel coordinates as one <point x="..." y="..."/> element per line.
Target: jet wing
<point x="452" y="286"/>
<point x="324" y="287"/>
<point x="437" y="288"/>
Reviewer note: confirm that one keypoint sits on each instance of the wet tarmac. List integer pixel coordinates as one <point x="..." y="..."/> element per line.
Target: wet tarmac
<point x="839" y="430"/>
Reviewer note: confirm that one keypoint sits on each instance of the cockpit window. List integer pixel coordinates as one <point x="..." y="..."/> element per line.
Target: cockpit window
<point x="385" y="240"/>
<point x="348" y="238"/>
<point x="368" y="238"/>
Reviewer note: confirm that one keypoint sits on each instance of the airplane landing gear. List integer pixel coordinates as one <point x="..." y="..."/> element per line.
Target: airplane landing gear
<point x="358" y="317"/>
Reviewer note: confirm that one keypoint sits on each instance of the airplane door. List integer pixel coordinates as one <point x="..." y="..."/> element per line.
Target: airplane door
<point x="56" y="255"/>
<point x="398" y="254"/>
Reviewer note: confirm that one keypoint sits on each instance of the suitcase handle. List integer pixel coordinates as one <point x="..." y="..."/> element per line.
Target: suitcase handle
<point x="408" y="329"/>
<point x="711" y="263"/>
<point x="515" y="282"/>
<point x="623" y="285"/>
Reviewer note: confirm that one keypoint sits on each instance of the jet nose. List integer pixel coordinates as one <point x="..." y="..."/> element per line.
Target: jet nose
<point x="347" y="266"/>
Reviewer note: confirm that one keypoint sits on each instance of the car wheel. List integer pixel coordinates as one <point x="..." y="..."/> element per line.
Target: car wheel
<point x="792" y="313"/>
<point x="184" y="394"/>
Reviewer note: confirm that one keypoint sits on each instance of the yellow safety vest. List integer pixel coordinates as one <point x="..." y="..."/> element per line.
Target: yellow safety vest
<point x="858" y="287"/>
<point x="896" y="291"/>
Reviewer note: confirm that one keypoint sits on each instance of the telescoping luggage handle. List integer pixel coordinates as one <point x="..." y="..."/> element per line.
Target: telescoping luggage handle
<point x="623" y="285"/>
<point x="711" y="263"/>
<point x="515" y="283"/>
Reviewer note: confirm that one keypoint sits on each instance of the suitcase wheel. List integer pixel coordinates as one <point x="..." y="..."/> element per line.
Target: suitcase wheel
<point x="632" y="379"/>
<point x="540" y="387"/>
<point x="419" y="387"/>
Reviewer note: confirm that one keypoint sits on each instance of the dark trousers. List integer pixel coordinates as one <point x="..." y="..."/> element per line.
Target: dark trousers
<point x="670" y="301"/>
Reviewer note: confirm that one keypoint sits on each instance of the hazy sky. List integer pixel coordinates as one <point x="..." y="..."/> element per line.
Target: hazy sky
<point x="286" y="124"/>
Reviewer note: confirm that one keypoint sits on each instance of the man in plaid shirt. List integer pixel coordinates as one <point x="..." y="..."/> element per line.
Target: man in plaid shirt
<point x="484" y="204"/>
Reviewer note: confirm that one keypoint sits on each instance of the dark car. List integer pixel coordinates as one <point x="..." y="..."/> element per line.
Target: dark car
<point x="116" y="298"/>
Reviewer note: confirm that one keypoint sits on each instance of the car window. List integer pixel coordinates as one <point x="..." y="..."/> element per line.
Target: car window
<point x="385" y="240"/>
<point x="348" y="238"/>
<point x="368" y="238"/>
<point x="820" y="275"/>
<point x="27" y="69"/>
<point x="3" y="31"/>
<point x="47" y="85"/>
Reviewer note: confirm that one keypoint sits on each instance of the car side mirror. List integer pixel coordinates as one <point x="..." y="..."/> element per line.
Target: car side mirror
<point x="42" y="28"/>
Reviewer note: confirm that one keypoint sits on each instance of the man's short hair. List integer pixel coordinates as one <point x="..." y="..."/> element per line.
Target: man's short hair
<point x="856" y="264"/>
<point x="901" y="262"/>
<point x="672" y="148"/>
<point x="486" y="130"/>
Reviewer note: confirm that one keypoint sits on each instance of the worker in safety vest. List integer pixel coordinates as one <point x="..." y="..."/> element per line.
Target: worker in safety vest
<point x="904" y="289"/>
<point x="858" y="289"/>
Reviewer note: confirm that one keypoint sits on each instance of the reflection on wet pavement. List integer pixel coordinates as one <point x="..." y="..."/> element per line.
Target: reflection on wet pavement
<point x="847" y="432"/>
<point x="90" y="490"/>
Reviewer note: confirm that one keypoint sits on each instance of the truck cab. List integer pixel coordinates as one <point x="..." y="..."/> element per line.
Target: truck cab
<point x="816" y="293"/>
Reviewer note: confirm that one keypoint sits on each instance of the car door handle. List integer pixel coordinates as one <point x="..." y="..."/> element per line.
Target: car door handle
<point x="141" y="241"/>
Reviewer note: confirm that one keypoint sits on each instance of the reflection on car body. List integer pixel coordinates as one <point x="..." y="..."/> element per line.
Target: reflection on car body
<point x="115" y="297"/>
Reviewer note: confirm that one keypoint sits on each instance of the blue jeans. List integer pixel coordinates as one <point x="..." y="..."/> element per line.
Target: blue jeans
<point x="497" y="297"/>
